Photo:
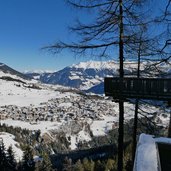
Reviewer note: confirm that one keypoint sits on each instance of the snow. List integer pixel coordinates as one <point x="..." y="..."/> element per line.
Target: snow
<point x="37" y="158"/>
<point x="36" y="77"/>
<point x="98" y="65"/>
<point x="81" y="136"/>
<point x="43" y="126"/>
<point x="87" y="83"/>
<point x="8" y="140"/>
<point x="95" y="64"/>
<point x="14" y="93"/>
<point x="2" y="74"/>
<point x="73" y="144"/>
<point x="106" y="123"/>
<point x="163" y="140"/>
<point x="74" y="77"/>
<point x="39" y="71"/>
<point x="101" y="127"/>
<point x="69" y="104"/>
<point x="146" y="154"/>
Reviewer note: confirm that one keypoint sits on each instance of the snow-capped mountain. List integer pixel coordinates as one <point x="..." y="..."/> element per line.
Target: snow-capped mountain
<point x="84" y="75"/>
<point x="89" y="76"/>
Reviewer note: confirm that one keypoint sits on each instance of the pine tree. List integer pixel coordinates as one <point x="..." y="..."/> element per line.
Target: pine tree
<point x="88" y="165"/>
<point x="46" y="164"/>
<point x="28" y="161"/>
<point x="12" y="164"/>
<point x="3" y="159"/>
<point x="99" y="166"/>
<point x="67" y="164"/>
<point x="110" y="165"/>
<point x="78" y="166"/>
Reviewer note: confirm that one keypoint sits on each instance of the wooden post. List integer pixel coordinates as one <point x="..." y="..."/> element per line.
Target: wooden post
<point x="134" y="144"/>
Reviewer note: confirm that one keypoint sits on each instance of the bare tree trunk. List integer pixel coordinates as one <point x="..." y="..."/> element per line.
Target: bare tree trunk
<point x="121" y="103"/>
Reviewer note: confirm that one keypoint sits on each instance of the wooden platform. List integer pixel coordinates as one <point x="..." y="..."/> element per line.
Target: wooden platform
<point x="139" y="88"/>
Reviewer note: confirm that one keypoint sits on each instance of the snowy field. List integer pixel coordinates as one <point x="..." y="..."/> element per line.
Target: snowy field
<point x="14" y="93"/>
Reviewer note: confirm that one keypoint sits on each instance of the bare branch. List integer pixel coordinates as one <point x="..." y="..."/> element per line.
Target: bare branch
<point x="89" y="6"/>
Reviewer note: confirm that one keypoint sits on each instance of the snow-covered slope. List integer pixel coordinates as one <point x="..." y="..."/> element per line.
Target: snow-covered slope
<point x="9" y="140"/>
<point x="8" y="71"/>
<point x="90" y="75"/>
<point x="24" y="94"/>
<point x="19" y="89"/>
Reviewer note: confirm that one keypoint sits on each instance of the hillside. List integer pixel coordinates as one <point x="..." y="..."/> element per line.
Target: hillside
<point x="8" y="71"/>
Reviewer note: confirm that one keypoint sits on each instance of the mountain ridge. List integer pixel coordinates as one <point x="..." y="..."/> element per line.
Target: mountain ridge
<point x="89" y="76"/>
<point x="83" y="76"/>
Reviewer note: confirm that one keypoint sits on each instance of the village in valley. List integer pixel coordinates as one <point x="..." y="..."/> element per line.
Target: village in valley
<point x="69" y="107"/>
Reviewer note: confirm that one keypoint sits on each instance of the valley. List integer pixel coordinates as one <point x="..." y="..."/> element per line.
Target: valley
<point x="64" y="120"/>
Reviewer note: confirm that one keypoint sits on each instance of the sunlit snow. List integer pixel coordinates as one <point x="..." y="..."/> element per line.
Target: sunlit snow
<point x="9" y="140"/>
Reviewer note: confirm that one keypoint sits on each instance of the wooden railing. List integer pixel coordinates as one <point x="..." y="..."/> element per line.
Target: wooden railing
<point x="143" y="88"/>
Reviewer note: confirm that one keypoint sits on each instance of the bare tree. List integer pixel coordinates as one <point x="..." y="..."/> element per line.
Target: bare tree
<point x="100" y="36"/>
<point x="115" y="24"/>
<point x="165" y="20"/>
<point x="137" y="51"/>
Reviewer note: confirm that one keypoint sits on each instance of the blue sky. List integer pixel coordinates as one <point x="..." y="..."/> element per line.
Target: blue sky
<point x="28" y="25"/>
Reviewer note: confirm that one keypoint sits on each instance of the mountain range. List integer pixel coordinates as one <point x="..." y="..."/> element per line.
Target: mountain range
<point x="89" y="76"/>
